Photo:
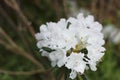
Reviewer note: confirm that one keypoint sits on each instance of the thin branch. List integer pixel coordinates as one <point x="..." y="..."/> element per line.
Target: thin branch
<point x="2" y="32"/>
<point x="17" y="49"/>
<point x="13" y="4"/>
<point x="65" y="8"/>
<point x="3" y="42"/>
<point x="24" y="38"/>
<point x="56" y="8"/>
<point x="17" y="30"/>
<point x="8" y="18"/>
<point x="101" y="11"/>
<point x="93" y="7"/>
<point x="21" y="72"/>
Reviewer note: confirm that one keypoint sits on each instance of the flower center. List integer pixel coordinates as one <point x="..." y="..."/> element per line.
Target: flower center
<point x="78" y="48"/>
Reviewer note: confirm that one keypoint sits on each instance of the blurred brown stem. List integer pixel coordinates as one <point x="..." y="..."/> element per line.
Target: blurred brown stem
<point x="13" y="4"/>
<point x="21" y="72"/>
<point x="93" y="7"/>
<point x="13" y="25"/>
<point x="11" y="45"/>
<point x="56" y="8"/>
<point x="101" y="11"/>
<point x="65" y="8"/>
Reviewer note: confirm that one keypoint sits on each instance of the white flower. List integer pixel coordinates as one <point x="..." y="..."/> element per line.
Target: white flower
<point x="94" y="54"/>
<point x="57" y="57"/>
<point x="75" y="62"/>
<point x="76" y="43"/>
<point x="55" y="35"/>
<point x="73" y="74"/>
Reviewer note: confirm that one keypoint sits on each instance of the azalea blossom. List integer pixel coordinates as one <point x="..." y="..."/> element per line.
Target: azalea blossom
<point x="75" y="43"/>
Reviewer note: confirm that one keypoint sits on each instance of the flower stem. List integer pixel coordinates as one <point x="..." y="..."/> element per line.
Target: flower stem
<point x="79" y="77"/>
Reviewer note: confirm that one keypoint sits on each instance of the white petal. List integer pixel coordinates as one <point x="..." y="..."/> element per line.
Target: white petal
<point x="73" y="74"/>
<point x="89" y="19"/>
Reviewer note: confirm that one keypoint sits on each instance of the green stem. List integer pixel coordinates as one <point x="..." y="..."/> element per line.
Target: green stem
<point x="79" y="77"/>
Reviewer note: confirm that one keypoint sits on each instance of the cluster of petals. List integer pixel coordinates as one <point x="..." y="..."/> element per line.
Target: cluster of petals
<point x="72" y="36"/>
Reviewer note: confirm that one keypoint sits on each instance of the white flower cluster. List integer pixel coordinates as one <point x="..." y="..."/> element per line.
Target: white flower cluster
<point x="75" y="43"/>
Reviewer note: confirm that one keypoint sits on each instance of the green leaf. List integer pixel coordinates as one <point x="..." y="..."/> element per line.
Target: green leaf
<point x="48" y="49"/>
<point x="84" y="77"/>
<point x="59" y="72"/>
<point x="68" y="24"/>
<point x="67" y="73"/>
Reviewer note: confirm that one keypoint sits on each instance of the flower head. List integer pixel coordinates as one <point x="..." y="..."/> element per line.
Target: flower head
<point x="75" y="43"/>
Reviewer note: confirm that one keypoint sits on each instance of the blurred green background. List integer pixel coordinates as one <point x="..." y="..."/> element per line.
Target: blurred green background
<point x="20" y="59"/>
